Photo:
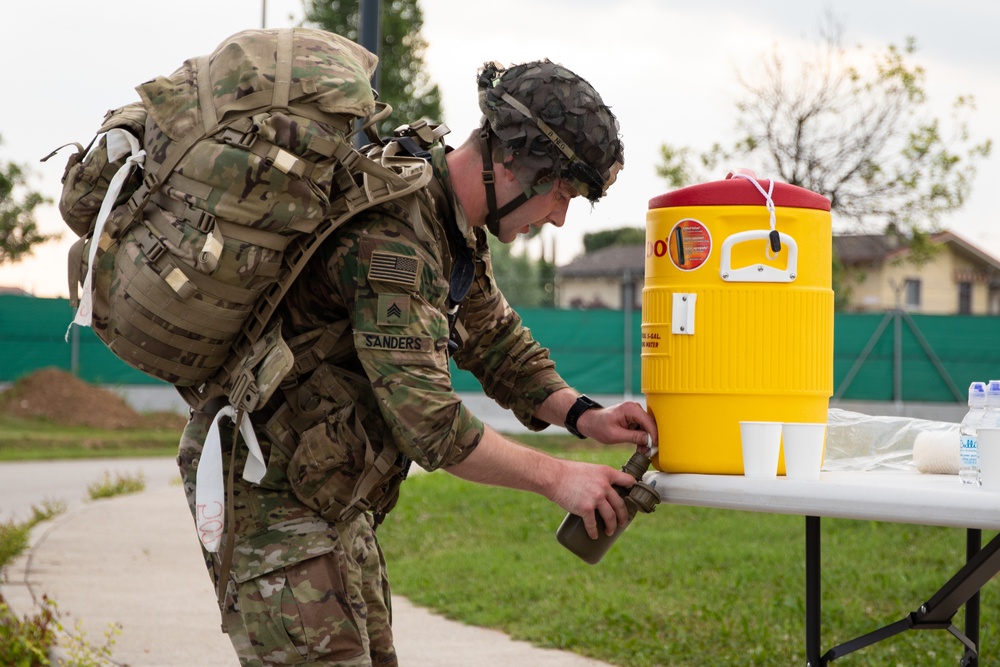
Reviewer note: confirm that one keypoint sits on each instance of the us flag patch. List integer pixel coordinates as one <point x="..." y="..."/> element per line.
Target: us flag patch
<point x="393" y="268"/>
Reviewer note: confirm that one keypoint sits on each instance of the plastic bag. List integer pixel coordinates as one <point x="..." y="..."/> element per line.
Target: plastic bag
<point x="859" y="442"/>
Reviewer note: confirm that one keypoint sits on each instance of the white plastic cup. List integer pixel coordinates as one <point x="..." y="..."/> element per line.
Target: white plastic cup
<point x="989" y="458"/>
<point x="803" y="447"/>
<point x="761" y="448"/>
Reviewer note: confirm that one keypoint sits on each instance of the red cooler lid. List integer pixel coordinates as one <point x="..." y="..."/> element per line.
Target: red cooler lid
<point x="740" y="192"/>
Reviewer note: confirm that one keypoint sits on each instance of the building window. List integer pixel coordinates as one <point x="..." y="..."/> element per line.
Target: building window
<point x="912" y="290"/>
<point x="965" y="298"/>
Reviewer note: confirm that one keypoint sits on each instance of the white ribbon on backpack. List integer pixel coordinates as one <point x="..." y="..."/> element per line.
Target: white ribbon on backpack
<point x="210" y="492"/>
<point x="119" y="143"/>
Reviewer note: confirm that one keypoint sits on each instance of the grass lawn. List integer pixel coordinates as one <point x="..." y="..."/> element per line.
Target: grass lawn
<point x="35" y="439"/>
<point x="682" y="587"/>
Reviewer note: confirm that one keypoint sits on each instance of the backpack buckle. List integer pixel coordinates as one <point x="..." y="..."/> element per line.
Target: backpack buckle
<point x="348" y="157"/>
<point x="201" y="220"/>
<point x="150" y="246"/>
<point x="150" y="182"/>
<point x="244" y="395"/>
<point x="238" y="139"/>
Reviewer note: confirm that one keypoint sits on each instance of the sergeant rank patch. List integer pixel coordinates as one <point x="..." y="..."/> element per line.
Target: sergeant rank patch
<point x="392" y="268"/>
<point x="393" y="310"/>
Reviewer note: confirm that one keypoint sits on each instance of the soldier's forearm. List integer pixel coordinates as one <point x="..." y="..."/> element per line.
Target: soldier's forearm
<point x="501" y="462"/>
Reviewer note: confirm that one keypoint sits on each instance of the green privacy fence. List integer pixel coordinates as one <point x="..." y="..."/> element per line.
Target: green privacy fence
<point x="877" y="357"/>
<point x="898" y="356"/>
<point x="32" y="336"/>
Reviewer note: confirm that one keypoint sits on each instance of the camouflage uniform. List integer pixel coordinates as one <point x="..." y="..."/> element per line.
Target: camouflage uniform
<point x="307" y="588"/>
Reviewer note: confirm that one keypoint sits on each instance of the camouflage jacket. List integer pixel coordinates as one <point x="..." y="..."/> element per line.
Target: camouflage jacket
<point x="387" y="272"/>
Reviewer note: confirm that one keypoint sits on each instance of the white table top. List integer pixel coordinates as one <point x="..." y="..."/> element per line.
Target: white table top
<point x="894" y="496"/>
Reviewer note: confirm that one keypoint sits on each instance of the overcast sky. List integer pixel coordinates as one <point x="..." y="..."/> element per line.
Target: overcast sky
<point x="667" y="69"/>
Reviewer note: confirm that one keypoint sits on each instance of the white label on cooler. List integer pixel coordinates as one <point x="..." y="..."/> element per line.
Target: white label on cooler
<point x="682" y="314"/>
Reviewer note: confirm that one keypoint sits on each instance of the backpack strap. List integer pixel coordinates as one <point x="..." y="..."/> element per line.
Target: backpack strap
<point x="84" y="312"/>
<point x="379" y="469"/>
<point x="314" y="347"/>
<point x="206" y="104"/>
<point x="463" y="270"/>
<point x="283" y="69"/>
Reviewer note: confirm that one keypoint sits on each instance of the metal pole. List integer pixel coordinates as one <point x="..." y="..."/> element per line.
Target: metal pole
<point x="370" y="32"/>
<point x="74" y="355"/>
<point x="263" y="14"/>
<point x="628" y="297"/>
<point x="897" y="349"/>
<point x="370" y="37"/>
<point x="897" y="359"/>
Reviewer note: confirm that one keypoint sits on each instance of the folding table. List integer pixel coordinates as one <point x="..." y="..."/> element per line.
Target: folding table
<point x="893" y="496"/>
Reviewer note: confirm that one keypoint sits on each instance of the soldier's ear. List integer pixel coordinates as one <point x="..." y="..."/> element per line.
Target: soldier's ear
<point x="507" y="172"/>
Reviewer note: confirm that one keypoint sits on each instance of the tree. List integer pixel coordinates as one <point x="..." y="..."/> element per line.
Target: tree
<point x="404" y="84"/>
<point x="593" y="241"/>
<point x="18" y="230"/>
<point x="526" y="283"/>
<point x="852" y="128"/>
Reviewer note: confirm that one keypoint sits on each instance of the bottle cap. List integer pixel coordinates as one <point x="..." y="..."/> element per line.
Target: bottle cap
<point x="977" y="394"/>
<point x="993" y="394"/>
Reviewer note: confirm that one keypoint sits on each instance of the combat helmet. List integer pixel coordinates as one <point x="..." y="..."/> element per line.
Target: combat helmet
<point x="545" y="122"/>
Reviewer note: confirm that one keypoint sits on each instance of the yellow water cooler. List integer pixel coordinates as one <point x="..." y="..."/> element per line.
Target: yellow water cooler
<point x="737" y="316"/>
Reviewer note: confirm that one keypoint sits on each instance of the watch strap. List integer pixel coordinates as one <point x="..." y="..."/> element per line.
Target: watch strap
<point x="582" y="404"/>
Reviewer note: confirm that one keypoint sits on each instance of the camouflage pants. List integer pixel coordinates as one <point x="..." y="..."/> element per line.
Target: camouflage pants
<point x="301" y="591"/>
<point x="329" y="610"/>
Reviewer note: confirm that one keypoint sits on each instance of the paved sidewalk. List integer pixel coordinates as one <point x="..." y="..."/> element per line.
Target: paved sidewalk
<point x="134" y="560"/>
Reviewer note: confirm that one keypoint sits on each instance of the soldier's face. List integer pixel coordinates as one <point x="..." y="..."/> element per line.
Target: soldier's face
<point x="548" y="208"/>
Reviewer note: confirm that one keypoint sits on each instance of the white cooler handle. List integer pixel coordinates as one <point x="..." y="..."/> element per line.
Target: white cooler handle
<point x="758" y="273"/>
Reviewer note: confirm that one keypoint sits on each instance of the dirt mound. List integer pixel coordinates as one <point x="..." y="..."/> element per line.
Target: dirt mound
<point x="63" y="398"/>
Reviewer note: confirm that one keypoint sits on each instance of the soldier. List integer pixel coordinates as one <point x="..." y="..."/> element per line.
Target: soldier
<point x="373" y="321"/>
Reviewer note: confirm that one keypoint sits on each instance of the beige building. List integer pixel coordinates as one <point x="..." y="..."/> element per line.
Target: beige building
<point x="880" y="274"/>
<point x="602" y="279"/>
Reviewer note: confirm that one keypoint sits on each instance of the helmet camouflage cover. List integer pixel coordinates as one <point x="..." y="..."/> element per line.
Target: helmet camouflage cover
<point x="553" y="124"/>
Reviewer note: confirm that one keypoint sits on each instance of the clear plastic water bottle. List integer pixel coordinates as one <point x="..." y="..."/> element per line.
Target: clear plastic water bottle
<point x="968" y="470"/>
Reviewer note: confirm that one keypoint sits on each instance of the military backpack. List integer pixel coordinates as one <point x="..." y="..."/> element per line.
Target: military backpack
<point x="198" y="205"/>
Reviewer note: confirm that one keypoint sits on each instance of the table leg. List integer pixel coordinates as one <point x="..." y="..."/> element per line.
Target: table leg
<point x="938" y="611"/>
<point x="973" y="544"/>
<point x="813" y="592"/>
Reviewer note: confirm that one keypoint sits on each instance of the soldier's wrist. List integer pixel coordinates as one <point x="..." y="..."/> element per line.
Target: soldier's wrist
<point x="582" y="405"/>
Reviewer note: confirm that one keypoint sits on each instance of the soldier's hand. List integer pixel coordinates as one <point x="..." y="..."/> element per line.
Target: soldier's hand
<point x="625" y="422"/>
<point x="586" y="488"/>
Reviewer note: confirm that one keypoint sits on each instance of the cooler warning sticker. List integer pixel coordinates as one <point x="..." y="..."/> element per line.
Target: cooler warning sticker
<point x="689" y="244"/>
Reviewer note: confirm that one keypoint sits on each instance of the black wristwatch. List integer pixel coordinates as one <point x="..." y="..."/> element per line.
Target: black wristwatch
<point x="582" y="404"/>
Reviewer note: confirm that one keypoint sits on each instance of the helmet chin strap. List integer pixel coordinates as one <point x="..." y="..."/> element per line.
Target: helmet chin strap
<point x="493" y="214"/>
